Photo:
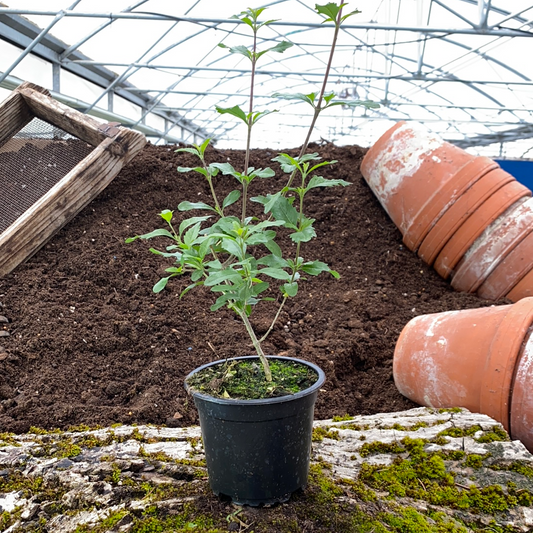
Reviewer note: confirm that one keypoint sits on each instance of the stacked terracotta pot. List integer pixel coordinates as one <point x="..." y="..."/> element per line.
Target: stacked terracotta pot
<point x="462" y="214"/>
<point x="481" y="359"/>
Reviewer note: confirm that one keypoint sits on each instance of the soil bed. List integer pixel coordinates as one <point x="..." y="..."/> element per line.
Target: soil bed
<point x="87" y="341"/>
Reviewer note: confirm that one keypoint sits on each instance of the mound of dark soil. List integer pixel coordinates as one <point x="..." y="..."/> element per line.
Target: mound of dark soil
<point x="87" y="341"/>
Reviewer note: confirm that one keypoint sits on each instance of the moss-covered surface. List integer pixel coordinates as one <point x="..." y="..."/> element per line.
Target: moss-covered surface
<point x="245" y="379"/>
<point x="423" y="487"/>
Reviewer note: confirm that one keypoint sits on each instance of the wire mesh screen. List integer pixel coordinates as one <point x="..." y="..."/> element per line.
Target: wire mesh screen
<point x="31" y="163"/>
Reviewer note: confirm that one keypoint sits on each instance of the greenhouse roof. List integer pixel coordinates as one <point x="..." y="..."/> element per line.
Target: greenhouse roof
<point x="461" y="67"/>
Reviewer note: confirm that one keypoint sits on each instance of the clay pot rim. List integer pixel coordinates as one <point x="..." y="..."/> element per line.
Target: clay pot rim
<point x="504" y="352"/>
<point x="472" y="200"/>
<point x="458" y="245"/>
<point x="451" y="191"/>
<point x="509" y="269"/>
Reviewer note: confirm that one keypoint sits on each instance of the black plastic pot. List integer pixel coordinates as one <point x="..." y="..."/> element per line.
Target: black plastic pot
<point x="258" y="451"/>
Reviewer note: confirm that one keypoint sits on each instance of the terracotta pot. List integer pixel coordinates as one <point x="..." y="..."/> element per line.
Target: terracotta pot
<point x="416" y="176"/>
<point x="471" y="199"/>
<point x="496" y="242"/>
<point x="509" y="271"/>
<point x="521" y="422"/>
<point x="507" y="198"/>
<point x="463" y="358"/>
<point x="523" y="289"/>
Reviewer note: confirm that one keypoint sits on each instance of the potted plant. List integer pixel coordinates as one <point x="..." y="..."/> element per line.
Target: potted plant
<point x="256" y="412"/>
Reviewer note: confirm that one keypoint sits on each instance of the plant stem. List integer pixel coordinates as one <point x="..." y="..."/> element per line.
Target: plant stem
<point x="318" y="107"/>
<point x="250" y="124"/>
<point x="274" y="320"/>
<point x="214" y="195"/>
<point x="256" y="343"/>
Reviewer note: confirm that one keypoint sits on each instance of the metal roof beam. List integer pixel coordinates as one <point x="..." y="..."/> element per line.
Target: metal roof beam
<point x="311" y="74"/>
<point x="23" y="33"/>
<point x="515" y="134"/>
<point x="509" y="32"/>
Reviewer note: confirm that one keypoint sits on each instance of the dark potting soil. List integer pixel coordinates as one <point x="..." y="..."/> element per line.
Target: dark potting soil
<point x="87" y="342"/>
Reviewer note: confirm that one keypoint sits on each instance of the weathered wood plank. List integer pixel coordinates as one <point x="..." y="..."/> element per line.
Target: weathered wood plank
<point x="66" y="199"/>
<point x="14" y="115"/>
<point x="68" y="119"/>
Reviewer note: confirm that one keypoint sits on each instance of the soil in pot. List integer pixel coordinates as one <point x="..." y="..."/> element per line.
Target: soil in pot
<point x="87" y="342"/>
<point x="245" y="379"/>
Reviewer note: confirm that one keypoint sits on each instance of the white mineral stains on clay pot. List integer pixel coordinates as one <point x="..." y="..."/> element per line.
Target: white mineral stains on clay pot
<point x="468" y="359"/>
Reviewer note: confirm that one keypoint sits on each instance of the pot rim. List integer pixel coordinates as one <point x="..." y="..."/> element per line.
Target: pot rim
<point x="264" y="401"/>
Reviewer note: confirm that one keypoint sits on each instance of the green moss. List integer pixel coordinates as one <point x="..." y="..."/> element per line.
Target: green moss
<point x="372" y="448"/>
<point x="8" y="439"/>
<point x="320" y="433"/>
<point x="194" y="442"/>
<point x="497" y="433"/>
<point x="409" y="520"/>
<point x="456" y="432"/>
<point x="245" y="379"/>
<point x="32" y="487"/>
<point x="354" y="427"/>
<point x="520" y="467"/>
<point x="451" y="410"/>
<point x="343" y="418"/>
<point x="82" y="428"/>
<point x="39" y="431"/>
<point x="474" y="461"/>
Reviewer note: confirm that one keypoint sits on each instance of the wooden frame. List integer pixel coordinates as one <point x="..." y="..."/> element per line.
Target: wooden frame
<point x="114" y="147"/>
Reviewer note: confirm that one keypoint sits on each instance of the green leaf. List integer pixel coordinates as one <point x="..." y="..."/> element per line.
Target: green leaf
<point x="276" y="273"/>
<point x="260" y="114"/>
<point x="308" y="98"/>
<point x="282" y="209"/>
<point x="191" y="235"/>
<point x="274" y="261"/>
<point x="231" y="198"/>
<point x="200" y="170"/>
<point x="242" y="50"/>
<point x="369" y="104"/>
<point x="331" y="11"/>
<point x="221" y="301"/>
<point x="328" y="97"/>
<point x="335" y="274"/>
<point x="260" y="238"/>
<point x="260" y="287"/>
<point x="261" y="172"/>
<point x="196" y="275"/>
<point x="204" y="145"/>
<point x="319" y="181"/>
<point x="231" y="246"/>
<point x="303" y="235"/>
<point x="166" y="215"/>
<point x="314" y="268"/>
<point x="280" y="47"/>
<point x="156" y="233"/>
<point x="227" y="170"/>
<point x="177" y="255"/>
<point x="274" y="249"/>
<point x="224" y="275"/>
<point x="193" y="151"/>
<point x="188" y="206"/>
<point x="189" y="287"/>
<point x="290" y="289"/>
<point x="236" y="111"/>
<point x="160" y="285"/>
<point x="191" y="221"/>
